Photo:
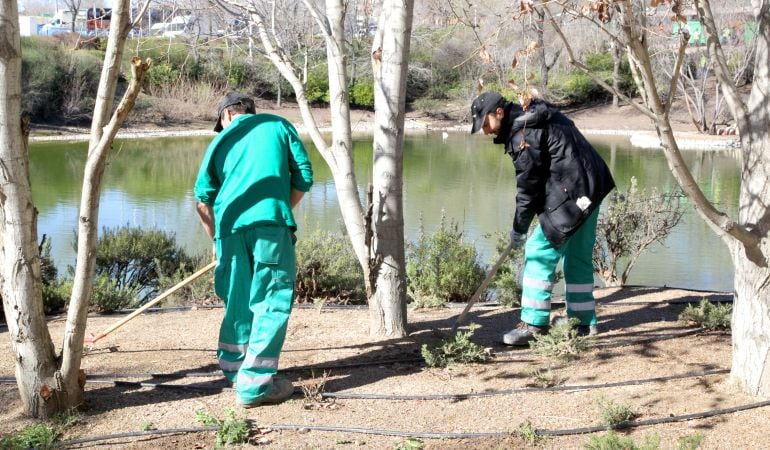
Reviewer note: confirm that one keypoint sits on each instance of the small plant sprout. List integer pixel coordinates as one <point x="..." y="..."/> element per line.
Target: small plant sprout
<point x="528" y="432"/>
<point x="38" y="436"/>
<point x="232" y="430"/>
<point x="690" y="442"/>
<point x="613" y="441"/>
<point x="147" y="426"/>
<point x="458" y="349"/>
<point x="562" y="342"/>
<point x="313" y="390"/>
<point x="707" y="315"/>
<point x="544" y="378"/>
<point x="614" y="414"/>
<point x="409" y="444"/>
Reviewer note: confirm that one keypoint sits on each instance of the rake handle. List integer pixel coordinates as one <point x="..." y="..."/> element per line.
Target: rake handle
<point x="154" y="301"/>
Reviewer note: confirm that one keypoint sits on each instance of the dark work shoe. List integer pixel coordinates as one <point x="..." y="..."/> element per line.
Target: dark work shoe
<point x="523" y="334"/>
<point x="282" y="390"/>
<point x="582" y="330"/>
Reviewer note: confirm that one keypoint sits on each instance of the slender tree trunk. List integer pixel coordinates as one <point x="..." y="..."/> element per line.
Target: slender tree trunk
<point x="751" y="314"/>
<point x="617" y="58"/>
<point x="390" y="57"/>
<point x="20" y="281"/>
<point x="88" y="220"/>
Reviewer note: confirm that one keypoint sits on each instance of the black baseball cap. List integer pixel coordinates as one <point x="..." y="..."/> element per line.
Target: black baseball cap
<point x="233" y="98"/>
<point x="484" y="104"/>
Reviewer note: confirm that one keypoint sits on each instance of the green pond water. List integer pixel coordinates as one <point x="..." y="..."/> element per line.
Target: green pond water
<point x="148" y="183"/>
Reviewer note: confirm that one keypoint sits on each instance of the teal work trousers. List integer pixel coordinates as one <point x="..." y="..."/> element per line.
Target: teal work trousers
<point x="255" y="279"/>
<point x="540" y="261"/>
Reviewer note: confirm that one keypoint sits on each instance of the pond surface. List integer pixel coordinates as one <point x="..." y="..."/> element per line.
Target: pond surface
<point x="148" y="183"/>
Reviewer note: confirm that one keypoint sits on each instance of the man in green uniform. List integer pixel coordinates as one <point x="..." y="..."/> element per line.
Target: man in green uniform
<point x="252" y="175"/>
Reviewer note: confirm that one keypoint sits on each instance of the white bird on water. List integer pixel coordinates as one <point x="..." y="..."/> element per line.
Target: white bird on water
<point x="444" y="136"/>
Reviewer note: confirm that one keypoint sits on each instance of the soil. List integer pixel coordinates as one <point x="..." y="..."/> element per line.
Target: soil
<point x="640" y="339"/>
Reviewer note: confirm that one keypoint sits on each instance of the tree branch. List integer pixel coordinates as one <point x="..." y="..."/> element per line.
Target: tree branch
<point x="737" y="106"/>
<point x="571" y="55"/>
<point x="684" y="38"/>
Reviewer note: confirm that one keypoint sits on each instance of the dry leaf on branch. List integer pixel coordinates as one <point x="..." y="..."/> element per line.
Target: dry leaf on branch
<point x="485" y="56"/>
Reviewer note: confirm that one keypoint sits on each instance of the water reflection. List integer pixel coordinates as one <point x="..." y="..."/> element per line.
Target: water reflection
<point x="149" y="182"/>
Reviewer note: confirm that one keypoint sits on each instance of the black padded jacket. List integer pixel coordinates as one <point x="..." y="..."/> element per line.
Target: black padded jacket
<point x="560" y="177"/>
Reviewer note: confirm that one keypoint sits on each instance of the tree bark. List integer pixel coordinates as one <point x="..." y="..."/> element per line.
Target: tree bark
<point x="20" y="279"/>
<point x="390" y="58"/>
<point x="751" y="309"/>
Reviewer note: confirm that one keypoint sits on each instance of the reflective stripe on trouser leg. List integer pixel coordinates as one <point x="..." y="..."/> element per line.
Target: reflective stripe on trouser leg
<point x="579" y="272"/>
<point x="256" y="318"/>
<point x="540" y="259"/>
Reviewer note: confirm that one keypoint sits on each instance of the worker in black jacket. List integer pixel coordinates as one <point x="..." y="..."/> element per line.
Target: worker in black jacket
<point x="562" y="179"/>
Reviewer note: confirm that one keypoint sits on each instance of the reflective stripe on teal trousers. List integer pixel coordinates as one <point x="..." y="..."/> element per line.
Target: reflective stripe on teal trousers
<point x="540" y="261"/>
<point x="255" y="279"/>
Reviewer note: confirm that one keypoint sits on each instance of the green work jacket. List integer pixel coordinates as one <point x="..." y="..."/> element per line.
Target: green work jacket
<point x="248" y="172"/>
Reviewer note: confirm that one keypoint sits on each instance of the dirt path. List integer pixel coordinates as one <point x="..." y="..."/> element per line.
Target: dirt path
<point x="641" y="340"/>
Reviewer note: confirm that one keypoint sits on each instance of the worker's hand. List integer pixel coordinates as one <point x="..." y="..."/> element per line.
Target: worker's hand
<point x="518" y="239"/>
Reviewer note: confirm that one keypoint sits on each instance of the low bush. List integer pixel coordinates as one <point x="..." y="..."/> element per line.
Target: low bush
<point x="328" y="268"/>
<point x="135" y="258"/>
<point x="198" y="291"/>
<point x="232" y="430"/>
<point x="362" y="93"/>
<point x="38" y="436"/>
<point x="443" y="265"/>
<point x="506" y="284"/>
<point x="458" y="349"/>
<point x="613" y="441"/>
<point x="612" y="413"/>
<point x="108" y="295"/>
<point x="562" y="342"/>
<point x="711" y="316"/>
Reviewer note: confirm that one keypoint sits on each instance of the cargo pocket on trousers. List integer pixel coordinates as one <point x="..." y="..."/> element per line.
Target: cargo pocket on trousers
<point x="222" y="279"/>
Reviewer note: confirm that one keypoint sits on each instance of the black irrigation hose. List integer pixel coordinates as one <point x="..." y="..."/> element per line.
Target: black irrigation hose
<point x="137" y="434"/>
<point x="364" y="396"/>
<point x="575" y="387"/>
<point x="439" y="435"/>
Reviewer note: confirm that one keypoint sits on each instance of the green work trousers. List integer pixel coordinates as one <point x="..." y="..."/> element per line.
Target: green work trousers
<point x="255" y="278"/>
<point x="540" y="261"/>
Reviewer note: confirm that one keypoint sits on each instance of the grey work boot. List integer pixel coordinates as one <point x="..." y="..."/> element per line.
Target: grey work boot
<point x="583" y="330"/>
<point x="523" y="334"/>
<point x="282" y="390"/>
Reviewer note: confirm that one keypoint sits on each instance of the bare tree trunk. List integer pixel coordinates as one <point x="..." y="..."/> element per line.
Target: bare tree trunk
<point x="390" y="57"/>
<point x="751" y="313"/>
<point x="102" y="135"/>
<point x="20" y="282"/>
<point x="617" y="59"/>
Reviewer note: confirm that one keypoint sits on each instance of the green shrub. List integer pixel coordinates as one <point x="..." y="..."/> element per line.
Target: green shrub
<point x="327" y="267"/>
<point x="317" y="87"/>
<point x="690" y="442"/>
<point x="362" y="93"/>
<point x="442" y="265"/>
<point x="458" y="349"/>
<point x="505" y="284"/>
<point x="199" y="290"/>
<point x="135" y="258"/>
<point x="161" y="74"/>
<point x="232" y="430"/>
<point x="108" y="295"/>
<point x="38" y="436"/>
<point x="562" y="342"/>
<point x="709" y="316"/>
<point x="613" y="441"/>
<point x="44" y="77"/>
<point x="613" y="414"/>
